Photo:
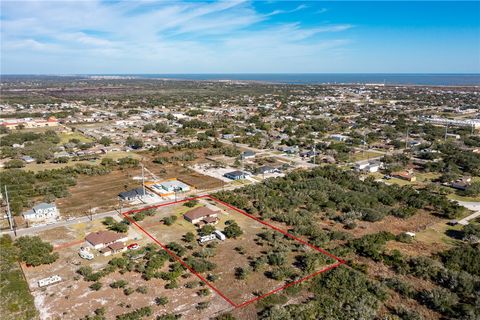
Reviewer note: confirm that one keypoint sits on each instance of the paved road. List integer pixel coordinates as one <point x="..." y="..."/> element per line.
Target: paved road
<point x="474" y="206"/>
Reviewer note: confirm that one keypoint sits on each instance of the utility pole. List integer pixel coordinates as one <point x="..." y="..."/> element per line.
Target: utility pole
<point x="446" y="131"/>
<point x="364" y="144"/>
<point x="314" y="153"/>
<point x="9" y="214"/>
<point x="406" y="140"/>
<point x="143" y="179"/>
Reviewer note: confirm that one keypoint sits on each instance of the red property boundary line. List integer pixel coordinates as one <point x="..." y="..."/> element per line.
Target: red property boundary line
<point x="332" y="266"/>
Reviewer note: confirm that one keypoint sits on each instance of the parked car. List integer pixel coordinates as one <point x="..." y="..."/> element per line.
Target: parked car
<point x="133" y="246"/>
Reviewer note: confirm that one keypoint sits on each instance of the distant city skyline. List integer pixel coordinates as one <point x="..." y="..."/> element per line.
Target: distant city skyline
<point x="134" y="37"/>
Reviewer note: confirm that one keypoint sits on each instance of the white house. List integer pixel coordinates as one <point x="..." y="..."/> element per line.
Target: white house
<point x="42" y="211"/>
<point x="174" y="185"/>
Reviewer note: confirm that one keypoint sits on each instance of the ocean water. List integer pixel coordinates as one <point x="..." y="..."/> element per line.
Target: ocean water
<point x="334" y="78"/>
<point x="433" y="79"/>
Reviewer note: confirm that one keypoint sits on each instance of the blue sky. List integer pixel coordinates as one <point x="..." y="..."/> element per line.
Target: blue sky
<point x="93" y="36"/>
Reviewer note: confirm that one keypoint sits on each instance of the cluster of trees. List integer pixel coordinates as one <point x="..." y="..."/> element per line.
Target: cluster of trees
<point x="299" y="198"/>
<point x="35" y="252"/>
<point x="160" y="127"/>
<point x="232" y="229"/>
<point x="23" y="186"/>
<point x="39" y="146"/>
<point x="456" y="273"/>
<point x="338" y="294"/>
<point x="136" y="314"/>
<point x="184" y="157"/>
<point x="17" y="301"/>
<point x="113" y="225"/>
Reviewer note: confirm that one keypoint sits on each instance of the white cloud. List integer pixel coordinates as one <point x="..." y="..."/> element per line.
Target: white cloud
<point x="156" y="37"/>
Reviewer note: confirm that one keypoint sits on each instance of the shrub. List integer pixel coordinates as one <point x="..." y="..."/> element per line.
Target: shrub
<point x="161" y="301"/>
<point x="95" y="286"/>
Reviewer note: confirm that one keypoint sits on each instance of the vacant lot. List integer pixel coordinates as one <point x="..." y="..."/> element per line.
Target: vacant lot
<point x="73" y="299"/>
<point x="100" y="193"/>
<point x="257" y="243"/>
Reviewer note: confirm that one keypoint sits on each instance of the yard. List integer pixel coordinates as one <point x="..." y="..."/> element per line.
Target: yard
<point x="65" y="137"/>
<point x="73" y="299"/>
<point x="237" y="272"/>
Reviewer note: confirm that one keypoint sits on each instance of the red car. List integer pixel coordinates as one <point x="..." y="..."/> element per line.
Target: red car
<point x="133" y="246"/>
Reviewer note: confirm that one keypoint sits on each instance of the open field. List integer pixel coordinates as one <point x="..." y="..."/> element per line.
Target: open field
<point x="35" y="167"/>
<point x="236" y="253"/>
<point x="359" y="156"/>
<point x="67" y="136"/>
<point x="100" y="193"/>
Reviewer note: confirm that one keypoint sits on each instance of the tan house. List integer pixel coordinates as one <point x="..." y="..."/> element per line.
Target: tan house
<point x="404" y="176"/>
<point x="102" y="239"/>
<point x="201" y="214"/>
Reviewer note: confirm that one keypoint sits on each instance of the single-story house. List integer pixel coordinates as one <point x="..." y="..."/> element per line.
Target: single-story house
<point x="228" y="136"/>
<point x="289" y="150"/>
<point x="133" y="194"/>
<point x="266" y="169"/>
<point x="236" y="175"/>
<point x="174" y="185"/>
<point x="101" y="239"/>
<point x="248" y="154"/>
<point x="113" y="248"/>
<point x="42" y="211"/>
<point x="404" y="176"/>
<point x="200" y="214"/>
<point x="368" y="167"/>
<point x="461" y="184"/>
<point x="28" y="159"/>
<point x="308" y="154"/>
<point x="339" y="137"/>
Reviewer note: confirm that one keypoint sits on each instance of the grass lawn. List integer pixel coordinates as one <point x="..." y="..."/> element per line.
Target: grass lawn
<point x="115" y="155"/>
<point x="427" y="177"/>
<point x="437" y="233"/>
<point x="457" y="197"/>
<point x="364" y="155"/>
<point x="35" y="167"/>
<point x="17" y="302"/>
<point x="65" y="137"/>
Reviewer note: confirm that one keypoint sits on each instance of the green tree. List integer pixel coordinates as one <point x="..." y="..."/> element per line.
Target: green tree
<point x="106" y="141"/>
<point x="233" y="230"/>
<point x="35" y="252"/>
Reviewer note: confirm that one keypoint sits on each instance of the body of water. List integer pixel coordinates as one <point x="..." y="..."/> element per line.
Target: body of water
<point x="434" y="79"/>
<point x="335" y="78"/>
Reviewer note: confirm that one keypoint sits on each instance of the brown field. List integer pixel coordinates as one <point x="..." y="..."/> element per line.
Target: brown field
<point x="226" y="258"/>
<point x="100" y="193"/>
<point x="72" y="299"/>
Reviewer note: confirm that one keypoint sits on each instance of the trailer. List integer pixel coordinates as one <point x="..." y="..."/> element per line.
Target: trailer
<point x="85" y="253"/>
<point x="219" y="234"/>
<point x="210" y="237"/>
<point x="48" y="281"/>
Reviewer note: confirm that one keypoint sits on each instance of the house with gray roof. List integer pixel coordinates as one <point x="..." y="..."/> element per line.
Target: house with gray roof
<point x="134" y="194"/>
<point x="41" y="212"/>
